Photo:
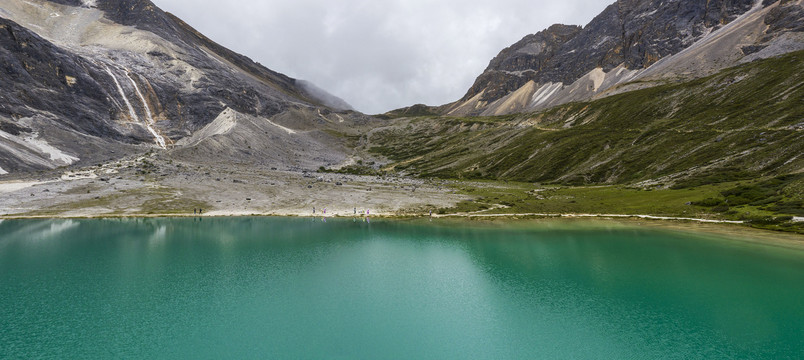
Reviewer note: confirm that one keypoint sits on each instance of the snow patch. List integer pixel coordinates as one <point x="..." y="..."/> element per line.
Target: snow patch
<point x="3" y="172"/>
<point x="89" y="3"/>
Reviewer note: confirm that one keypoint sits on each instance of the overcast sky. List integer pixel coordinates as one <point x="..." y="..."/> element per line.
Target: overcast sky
<point x="379" y="55"/>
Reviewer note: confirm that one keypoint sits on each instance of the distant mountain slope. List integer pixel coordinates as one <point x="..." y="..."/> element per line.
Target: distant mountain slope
<point x="741" y="123"/>
<point x="90" y="79"/>
<point x="642" y="42"/>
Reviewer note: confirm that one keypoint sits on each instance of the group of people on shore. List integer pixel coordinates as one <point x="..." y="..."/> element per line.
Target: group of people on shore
<point x="200" y="211"/>
<point x="367" y="212"/>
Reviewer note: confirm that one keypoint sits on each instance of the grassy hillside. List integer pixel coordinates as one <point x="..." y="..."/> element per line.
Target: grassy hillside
<point x="742" y="124"/>
<point x="766" y="203"/>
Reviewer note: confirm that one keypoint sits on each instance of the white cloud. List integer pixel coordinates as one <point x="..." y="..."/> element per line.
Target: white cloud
<point x="379" y="55"/>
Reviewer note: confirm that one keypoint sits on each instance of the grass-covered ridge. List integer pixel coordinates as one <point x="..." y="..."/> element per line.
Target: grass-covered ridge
<point x="765" y="203"/>
<point x="728" y="146"/>
<point x="742" y="123"/>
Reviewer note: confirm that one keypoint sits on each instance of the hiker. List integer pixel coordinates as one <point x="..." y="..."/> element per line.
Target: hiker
<point x="194" y="211"/>
<point x="313" y="209"/>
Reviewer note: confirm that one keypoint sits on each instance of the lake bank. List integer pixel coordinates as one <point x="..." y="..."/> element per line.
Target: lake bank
<point x="121" y="189"/>
<point x="731" y="230"/>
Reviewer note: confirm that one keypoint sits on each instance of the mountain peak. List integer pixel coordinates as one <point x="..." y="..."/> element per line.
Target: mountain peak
<point x="126" y="72"/>
<point x="623" y="43"/>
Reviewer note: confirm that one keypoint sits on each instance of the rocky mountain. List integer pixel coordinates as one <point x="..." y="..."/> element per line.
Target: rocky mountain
<point x="91" y="80"/>
<point x="632" y="44"/>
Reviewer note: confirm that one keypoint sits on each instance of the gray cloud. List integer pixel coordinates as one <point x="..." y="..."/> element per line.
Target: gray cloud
<point x="379" y="55"/>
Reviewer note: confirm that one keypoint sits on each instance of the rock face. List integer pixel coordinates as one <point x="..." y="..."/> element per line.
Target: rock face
<point x="121" y="74"/>
<point x="529" y="59"/>
<point x="38" y="75"/>
<point x="570" y="63"/>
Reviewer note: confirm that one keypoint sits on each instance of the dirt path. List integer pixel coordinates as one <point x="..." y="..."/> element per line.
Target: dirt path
<point x="649" y="217"/>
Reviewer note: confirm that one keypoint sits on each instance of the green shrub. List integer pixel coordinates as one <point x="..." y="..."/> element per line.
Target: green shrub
<point x="708" y="202"/>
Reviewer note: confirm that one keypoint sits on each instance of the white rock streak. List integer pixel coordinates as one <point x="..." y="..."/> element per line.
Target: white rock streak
<point x="545" y="93"/>
<point x="35" y="150"/>
<point x="123" y="94"/>
<point x="54" y="153"/>
<point x="3" y="172"/>
<point x="287" y="130"/>
<point x="149" y="124"/>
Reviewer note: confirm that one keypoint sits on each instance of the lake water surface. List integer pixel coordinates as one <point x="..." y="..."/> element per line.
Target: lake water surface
<point x="297" y="288"/>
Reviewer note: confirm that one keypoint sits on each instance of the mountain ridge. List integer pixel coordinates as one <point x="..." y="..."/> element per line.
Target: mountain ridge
<point x="125" y="73"/>
<point x="623" y="44"/>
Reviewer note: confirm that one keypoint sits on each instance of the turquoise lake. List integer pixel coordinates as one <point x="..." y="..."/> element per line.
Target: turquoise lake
<point x="292" y="288"/>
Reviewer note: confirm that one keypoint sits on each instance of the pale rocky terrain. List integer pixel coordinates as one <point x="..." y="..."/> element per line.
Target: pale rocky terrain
<point x="85" y="82"/>
<point x="156" y="184"/>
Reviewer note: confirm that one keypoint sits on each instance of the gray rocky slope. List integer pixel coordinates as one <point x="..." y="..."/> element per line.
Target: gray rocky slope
<point x="88" y="81"/>
<point x="632" y="44"/>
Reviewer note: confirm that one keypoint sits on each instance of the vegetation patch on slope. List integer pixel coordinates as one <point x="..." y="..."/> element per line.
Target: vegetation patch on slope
<point x="702" y="202"/>
<point x="729" y="146"/>
<point x="742" y="123"/>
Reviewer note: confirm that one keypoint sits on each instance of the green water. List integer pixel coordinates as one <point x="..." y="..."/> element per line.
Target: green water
<point x="299" y="289"/>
